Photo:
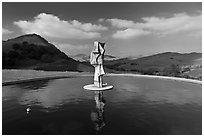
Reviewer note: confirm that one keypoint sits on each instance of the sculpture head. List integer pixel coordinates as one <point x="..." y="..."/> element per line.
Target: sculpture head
<point x="95" y="48"/>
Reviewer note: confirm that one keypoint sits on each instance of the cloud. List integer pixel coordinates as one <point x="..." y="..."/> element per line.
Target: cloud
<point x="177" y="23"/>
<point x="6" y="31"/>
<point x="121" y="23"/>
<point x="87" y="26"/>
<point x="161" y="26"/>
<point x="52" y="26"/>
<point x="129" y="33"/>
<point x="101" y="20"/>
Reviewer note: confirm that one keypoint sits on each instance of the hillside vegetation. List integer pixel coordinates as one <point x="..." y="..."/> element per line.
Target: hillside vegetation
<point x="34" y="52"/>
<point x="167" y="64"/>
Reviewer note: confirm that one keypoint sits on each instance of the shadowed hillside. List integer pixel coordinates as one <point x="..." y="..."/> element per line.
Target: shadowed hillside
<point x="34" y="52"/>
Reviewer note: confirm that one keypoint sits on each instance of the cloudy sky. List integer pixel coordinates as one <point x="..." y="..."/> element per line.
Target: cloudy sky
<point x="129" y="29"/>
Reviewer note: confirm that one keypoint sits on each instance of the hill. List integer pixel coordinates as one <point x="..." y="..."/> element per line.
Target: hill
<point x="31" y="51"/>
<point x="168" y="63"/>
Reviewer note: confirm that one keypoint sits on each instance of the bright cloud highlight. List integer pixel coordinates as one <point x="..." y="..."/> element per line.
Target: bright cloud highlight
<point x="52" y="26"/>
<point x="181" y="22"/>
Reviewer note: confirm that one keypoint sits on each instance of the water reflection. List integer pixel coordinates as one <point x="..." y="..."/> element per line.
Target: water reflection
<point x="55" y="94"/>
<point x="97" y="116"/>
<point x="144" y="106"/>
<point x="156" y="91"/>
<point x="34" y="85"/>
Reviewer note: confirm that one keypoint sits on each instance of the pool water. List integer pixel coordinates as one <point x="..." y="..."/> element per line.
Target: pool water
<point x="135" y="106"/>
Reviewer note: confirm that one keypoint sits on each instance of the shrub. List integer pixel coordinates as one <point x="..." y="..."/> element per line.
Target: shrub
<point x="173" y="70"/>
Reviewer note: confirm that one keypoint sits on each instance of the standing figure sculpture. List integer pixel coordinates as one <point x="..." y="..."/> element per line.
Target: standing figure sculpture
<point x="96" y="59"/>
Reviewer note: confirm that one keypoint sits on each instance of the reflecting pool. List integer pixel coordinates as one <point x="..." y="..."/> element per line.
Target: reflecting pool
<point x="134" y="106"/>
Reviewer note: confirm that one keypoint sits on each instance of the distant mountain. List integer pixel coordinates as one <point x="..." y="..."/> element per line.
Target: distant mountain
<point x="134" y="57"/>
<point x="109" y="57"/>
<point x="31" y="51"/>
<point x="81" y="57"/>
<point x="86" y="58"/>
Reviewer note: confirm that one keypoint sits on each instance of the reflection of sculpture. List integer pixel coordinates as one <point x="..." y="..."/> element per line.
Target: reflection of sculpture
<point x="96" y="59"/>
<point x="98" y="116"/>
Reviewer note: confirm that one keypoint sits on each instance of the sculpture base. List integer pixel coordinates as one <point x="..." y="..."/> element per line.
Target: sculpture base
<point x="95" y="88"/>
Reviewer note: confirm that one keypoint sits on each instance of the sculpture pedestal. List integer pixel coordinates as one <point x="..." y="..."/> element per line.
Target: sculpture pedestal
<point x="95" y="88"/>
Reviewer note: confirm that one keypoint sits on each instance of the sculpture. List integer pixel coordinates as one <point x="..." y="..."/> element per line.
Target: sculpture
<point x="97" y="59"/>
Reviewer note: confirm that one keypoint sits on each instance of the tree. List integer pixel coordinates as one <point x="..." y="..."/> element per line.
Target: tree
<point x="13" y="54"/>
<point x="46" y="58"/>
<point x="25" y="43"/>
<point x="151" y="71"/>
<point x="4" y="60"/>
<point x="16" y="46"/>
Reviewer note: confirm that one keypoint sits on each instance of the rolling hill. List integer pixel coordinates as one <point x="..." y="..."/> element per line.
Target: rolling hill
<point x="168" y="63"/>
<point x="31" y="51"/>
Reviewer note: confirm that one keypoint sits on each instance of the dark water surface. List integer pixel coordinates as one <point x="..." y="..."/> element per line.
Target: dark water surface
<point x="133" y="106"/>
